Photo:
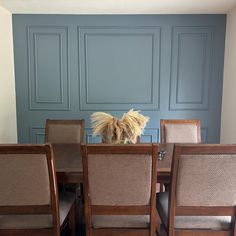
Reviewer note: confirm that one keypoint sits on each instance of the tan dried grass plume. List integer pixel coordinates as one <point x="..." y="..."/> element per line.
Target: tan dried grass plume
<point x="114" y="130"/>
<point x="135" y="123"/>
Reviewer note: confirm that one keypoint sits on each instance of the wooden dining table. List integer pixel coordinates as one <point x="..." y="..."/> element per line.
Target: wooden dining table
<point x="69" y="167"/>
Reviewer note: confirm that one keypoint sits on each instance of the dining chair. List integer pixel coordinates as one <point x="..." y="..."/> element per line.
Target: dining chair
<point x="65" y="137"/>
<point x="180" y="131"/>
<point x="202" y="198"/>
<point x="119" y="189"/>
<point x="64" y="131"/>
<point x="29" y="201"/>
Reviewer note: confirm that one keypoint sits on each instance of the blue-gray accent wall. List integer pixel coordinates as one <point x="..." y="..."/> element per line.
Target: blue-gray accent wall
<point x="167" y="66"/>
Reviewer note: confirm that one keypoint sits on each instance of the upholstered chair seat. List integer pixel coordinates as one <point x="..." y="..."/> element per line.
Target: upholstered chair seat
<point x="192" y="222"/>
<point x="25" y="221"/>
<point x="38" y="221"/>
<point x="123" y="221"/>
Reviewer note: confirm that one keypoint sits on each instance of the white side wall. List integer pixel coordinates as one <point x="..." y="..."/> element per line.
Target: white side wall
<point x="228" y="119"/>
<point x="8" y="130"/>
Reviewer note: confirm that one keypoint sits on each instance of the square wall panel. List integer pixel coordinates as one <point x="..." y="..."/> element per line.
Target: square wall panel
<point x="119" y="68"/>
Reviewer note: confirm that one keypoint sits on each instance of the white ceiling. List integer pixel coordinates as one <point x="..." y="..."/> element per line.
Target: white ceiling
<point x="118" y="6"/>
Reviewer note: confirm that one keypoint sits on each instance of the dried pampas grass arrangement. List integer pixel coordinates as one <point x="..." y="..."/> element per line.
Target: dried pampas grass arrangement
<point x="114" y="130"/>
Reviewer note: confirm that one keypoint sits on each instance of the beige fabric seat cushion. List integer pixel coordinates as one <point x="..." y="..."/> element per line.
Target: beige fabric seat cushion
<point x="121" y="221"/>
<point x="66" y="201"/>
<point x="25" y="221"/>
<point x="193" y="222"/>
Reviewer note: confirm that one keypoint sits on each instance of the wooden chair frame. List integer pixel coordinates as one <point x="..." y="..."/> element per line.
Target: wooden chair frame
<point x="197" y="211"/>
<point x="193" y="122"/>
<point x="63" y="122"/>
<point x="120" y="210"/>
<point x="52" y="209"/>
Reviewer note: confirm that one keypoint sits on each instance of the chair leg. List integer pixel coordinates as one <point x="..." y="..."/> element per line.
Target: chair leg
<point x="157" y="224"/>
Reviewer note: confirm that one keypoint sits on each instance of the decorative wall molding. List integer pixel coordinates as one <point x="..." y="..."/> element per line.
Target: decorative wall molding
<point x="37" y="135"/>
<point x="150" y="135"/>
<point x="51" y="72"/>
<point x="204" y="135"/>
<point x="191" y="57"/>
<point x="68" y="66"/>
<point x="143" y="43"/>
<point x="89" y="136"/>
<point x="35" y="40"/>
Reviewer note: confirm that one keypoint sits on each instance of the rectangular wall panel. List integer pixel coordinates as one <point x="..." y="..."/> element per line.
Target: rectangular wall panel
<point x="48" y="68"/>
<point x="191" y="68"/>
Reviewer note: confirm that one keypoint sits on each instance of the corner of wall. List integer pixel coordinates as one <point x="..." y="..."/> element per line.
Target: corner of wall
<point x="8" y="125"/>
<point x="228" y="117"/>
